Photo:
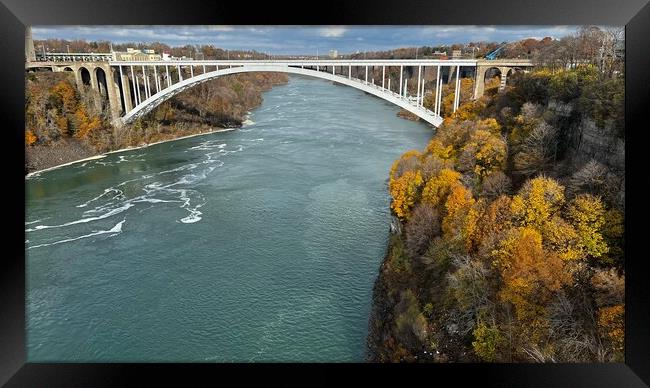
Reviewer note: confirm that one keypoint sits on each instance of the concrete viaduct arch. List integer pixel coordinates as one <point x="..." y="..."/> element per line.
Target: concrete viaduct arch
<point x="506" y="67"/>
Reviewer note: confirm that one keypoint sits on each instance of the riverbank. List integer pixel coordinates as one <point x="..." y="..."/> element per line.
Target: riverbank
<point x="63" y="127"/>
<point x="103" y="155"/>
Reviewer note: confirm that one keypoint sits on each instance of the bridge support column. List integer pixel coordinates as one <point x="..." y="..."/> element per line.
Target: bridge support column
<point x="77" y="78"/>
<point x="504" y="75"/>
<point x="439" y="91"/>
<point x="126" y="91"/>
<point x="479" y="89"/>
<point x="145" y="81"/>
<point x="417" y="99"/>
<point x="97" y="97"/>
<point x="383" y="76"/>
<point x="422" y="93"/>
<point x="155" y="76"/>
<point x="136" y="87"/>
<point x="457" y="92"/>
<point x="401" y="73"/>
<point x="113" y="91"/>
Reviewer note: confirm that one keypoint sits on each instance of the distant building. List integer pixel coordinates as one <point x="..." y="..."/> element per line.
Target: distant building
<point x="334" y="54"/>
<point x="132" y="54"/>
<point x="456" y="54"/>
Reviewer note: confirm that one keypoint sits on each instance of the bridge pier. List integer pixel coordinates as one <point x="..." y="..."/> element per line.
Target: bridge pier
<point x="113" y="91"/>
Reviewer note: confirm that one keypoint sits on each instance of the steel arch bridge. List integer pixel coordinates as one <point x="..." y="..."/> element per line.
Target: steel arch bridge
<point x="134" y="88"/>
<point x="163" y="86"/>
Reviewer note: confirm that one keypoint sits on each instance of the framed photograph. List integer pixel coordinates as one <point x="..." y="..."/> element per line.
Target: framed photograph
<point x="431" y="191"/>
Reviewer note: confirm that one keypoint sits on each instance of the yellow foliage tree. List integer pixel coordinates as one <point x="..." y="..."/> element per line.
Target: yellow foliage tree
<point x="611" y="324"/>
<point x="397" y="168"/>
<point x="490" y="151"/>
<point x="587" y="214"/>
<point x="435" y="147"/>
<point x="459" y="221"/>
<point x="470" y="110"/>
<point x="30" y="138"/>
<point x="537" y="201"/>
<point x="66" y="92"/>
<point x="405" y="191"/>
<point x="491" y="125"/>
<point x="561" y="237"/>
<point x="493" y="222"/>
<point x="530" y="273"/>
<point x="85" y="124"/>
<point x="437" y="188"/>
<point x="486" y="341"/>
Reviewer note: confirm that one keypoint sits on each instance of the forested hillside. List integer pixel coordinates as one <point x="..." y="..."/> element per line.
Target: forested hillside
<point x="62" y="124"/>
<point x="508" y="231"/>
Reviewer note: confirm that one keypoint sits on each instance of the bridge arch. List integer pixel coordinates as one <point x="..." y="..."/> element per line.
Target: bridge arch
<point x="156" y="99"/>
<point x="102" y="86"/>
<point x="512" y="71"/>
<point x="67" y="68"/>
<point x="84" y="74"/>
<point x="492" y="72"/>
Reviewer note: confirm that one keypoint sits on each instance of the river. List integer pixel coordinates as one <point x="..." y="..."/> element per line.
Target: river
<point x="258" y="244"/>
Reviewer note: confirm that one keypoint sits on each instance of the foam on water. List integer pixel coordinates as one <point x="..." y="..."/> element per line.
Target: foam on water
<point x="117" y="229"/>
<point x="83" y="220"/>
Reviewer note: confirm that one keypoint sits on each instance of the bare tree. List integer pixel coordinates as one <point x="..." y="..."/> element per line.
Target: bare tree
<point x="538" y="150"/>
<point x="423" y="225"/>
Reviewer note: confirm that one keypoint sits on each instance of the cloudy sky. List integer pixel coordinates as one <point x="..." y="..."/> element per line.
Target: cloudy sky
<point x="302" y="40"/>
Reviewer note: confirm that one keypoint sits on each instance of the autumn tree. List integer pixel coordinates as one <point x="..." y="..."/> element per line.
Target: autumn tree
<point x="483" y="154"/>
<point x="405" y="190"/>
<point x="587" y="215"/>
<point x="460" y="216"/>
<point x="531" y="275"/>
<point x="537" y="201"/>
<point x="437" y="188"/>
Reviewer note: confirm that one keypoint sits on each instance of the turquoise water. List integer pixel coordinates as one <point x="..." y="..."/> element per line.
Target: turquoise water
<point x="259" y="244"/>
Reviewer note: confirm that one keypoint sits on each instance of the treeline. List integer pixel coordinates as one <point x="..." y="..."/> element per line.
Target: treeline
<point x="601" y="46"/>
<point x="61" y="117"/>
<point x="206" y="51"/>
<point x="509" y="235"/>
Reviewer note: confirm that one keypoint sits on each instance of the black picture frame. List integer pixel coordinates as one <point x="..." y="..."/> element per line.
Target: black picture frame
<point x="15" y="14"/>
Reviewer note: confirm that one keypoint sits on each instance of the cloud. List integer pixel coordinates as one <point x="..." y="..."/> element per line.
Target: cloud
<point x="332" y="32"/>
<point x="300" y="39"/>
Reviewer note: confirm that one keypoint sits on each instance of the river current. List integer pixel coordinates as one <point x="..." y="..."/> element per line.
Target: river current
<point x="257" y="244"/>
